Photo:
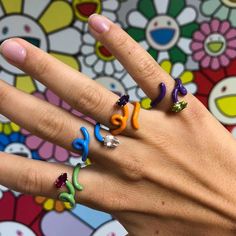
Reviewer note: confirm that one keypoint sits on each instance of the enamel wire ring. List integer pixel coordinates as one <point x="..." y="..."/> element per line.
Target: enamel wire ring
<point x="63" y="181"/>
<point x="109" y="141"/>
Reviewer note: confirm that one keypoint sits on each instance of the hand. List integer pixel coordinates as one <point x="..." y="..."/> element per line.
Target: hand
<point x="175" y="175"/>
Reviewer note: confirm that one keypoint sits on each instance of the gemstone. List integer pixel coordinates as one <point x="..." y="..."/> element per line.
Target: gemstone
<point x="179" y="106"/>
<point x="61" y="180"/>
<point x="123" y="100"/>
<point x="111" y="141"/>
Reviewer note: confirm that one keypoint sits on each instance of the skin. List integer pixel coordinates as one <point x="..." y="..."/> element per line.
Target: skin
<point x="178" y="180"/>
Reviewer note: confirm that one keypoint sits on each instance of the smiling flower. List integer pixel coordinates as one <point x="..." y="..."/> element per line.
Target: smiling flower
<point x="217" y="91"/>
<point x="214" y="45"/>
<point x="222" y="9"/>
<point x="164" y="28"/>
<point x="43" y="26"/>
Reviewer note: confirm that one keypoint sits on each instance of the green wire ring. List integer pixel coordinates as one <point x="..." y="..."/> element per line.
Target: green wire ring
<point x="75" y="178"/>
<point x="70" y="196"/>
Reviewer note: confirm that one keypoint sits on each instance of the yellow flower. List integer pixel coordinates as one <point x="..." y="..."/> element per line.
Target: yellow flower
<point x="40" y="23"/>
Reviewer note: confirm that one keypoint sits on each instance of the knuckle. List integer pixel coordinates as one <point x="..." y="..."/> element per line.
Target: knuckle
<point x="147" y="69"/>
<point x="90" y="98"/>
<point x="29" y="182"/>
<point x="133" y="169"/>
<point x="49" y="124"/>
<point x="42" y="66"/>
<point x="121" y="41"/>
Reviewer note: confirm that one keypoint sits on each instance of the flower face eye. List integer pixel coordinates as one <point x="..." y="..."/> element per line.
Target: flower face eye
<point x="27" y="28"/>
<point x="223" y="89"/>
<point x="5" y="30"/>
<point x="112" y="86"/>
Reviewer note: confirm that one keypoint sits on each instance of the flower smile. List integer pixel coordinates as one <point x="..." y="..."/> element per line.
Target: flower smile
<point x="227" y="105"/>
<point x="86" y="8"/>
<point x="34" y="41"/>
<point x="162" y="36"/>
<point x="215" y="46"/>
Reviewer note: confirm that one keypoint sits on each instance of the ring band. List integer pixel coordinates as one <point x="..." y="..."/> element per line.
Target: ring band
<point x="63" y="181"/>
<point x="119" y="120"/>
<point x="82" y="144"/>
<point x="161" y="95"/>
<point x="109" y="141"/>
<point x="179" y="88"/>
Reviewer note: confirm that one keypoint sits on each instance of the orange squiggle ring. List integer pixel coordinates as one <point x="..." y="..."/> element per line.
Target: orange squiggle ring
<point x="119" y="120"/>
<point x="135" y="115"/>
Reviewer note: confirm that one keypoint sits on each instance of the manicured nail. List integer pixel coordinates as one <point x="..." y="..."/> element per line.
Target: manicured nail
<point x="99" y="23"/>
<point x="13" y="51"/>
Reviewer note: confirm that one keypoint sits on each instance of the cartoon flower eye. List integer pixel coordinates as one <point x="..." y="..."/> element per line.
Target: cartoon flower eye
<point x="224" y="89"/>
<point x="168" y="23"/>
<point x="112" y="85"/>
<point x="10" y="149"/>
<point x="27" y="28"/>
<point x="155" y="23"/>
<point x="21" y="148"/>
<point x="5" y="30"/>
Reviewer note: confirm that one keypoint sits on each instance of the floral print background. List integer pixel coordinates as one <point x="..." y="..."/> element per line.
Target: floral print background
<point x="194" y="40"/>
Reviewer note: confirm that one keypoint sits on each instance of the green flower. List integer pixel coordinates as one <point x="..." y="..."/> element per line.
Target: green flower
<point x="164" y="28"/>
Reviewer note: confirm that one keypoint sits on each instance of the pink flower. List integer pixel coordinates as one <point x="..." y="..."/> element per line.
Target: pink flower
<point x="45" y="149"/>
<point x="214" y="45"/>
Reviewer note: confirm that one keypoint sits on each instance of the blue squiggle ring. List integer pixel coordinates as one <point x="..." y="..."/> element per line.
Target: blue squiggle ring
<point x="82" y="144"/>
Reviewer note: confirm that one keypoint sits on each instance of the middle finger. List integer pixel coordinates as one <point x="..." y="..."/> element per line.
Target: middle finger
<point x="75" y="88"/>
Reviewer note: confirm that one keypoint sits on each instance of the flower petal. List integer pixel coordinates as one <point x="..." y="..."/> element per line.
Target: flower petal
<point x="61" y="154"/>
<point x="222" y="13"/>
<point x="136" y="19"/>
<point x="210" y="6"/>
<point x="65" y="41"/>
<point x="33" y="142"/>
<point x="199" y="36"/>
<point x="110" y="5"/>
<point x="232" y="17"/>
<point x="215" y="63"/>
<point x="46" y="150"/>
<point x="215" y="24"/>
<point x="224" y="27"/>
<point x="177" y="70"/>
<point x="224" y="61"/>
<point x="184" y="44"/>
<point x="186" y="16"/>
<point x="231" y="34"/>
<point x="25" y="83"/>
<point x="206" y="61"/>
<point x="197" y="46"/>
<point x="52" y="19"/>
<point x="161" y="6"/>
<point x="230" y="53"/>
<point x="205" y="28"/>
<point x="52" y="97"/>
<point x="38" y="8"/>
<point x="12" y="7"/>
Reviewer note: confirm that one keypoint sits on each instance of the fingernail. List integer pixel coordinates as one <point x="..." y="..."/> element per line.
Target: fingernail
<point x="99" y="23"/>
<point x="13" y="51"/>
